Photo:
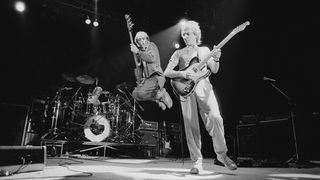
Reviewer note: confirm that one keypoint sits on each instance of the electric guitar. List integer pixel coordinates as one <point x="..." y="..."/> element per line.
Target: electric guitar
<point x="138" y="71"/>
<point x="166" y="143"/>
<point x="185" y="87"/>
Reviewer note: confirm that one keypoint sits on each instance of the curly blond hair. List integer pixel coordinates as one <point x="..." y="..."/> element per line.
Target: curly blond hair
<point x="194" y="26"/>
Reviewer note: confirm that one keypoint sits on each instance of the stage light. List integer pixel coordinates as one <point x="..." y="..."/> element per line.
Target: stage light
<point x="182" y="21"/>
<point x="20" y="6"/>
<point x="176" y="45"/>
<point x="88" y="21"/>
<point x="95" y="23"/>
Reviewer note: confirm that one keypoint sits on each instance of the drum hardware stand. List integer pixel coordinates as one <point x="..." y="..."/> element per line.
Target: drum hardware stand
<point x="75" y="95"/>
<point x="295" y="159"/>
<point x="54" y="119"/>
<point x="134" y="115"/>
<point x="54" y="132"/>
<point x="117" y="137"/>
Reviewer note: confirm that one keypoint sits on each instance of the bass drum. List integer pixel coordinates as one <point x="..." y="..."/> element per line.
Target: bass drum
<point x="96" y="128"/>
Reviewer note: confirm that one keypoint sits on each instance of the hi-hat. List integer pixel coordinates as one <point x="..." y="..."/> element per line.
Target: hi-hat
<point x="124" y="85"/>
<point x="85" y="79"/>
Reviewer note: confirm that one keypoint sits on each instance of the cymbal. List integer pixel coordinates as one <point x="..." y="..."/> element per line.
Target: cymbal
<point x="85" y="79"/>
<point x="124" y="85"/>
<point x="69" y="77"/>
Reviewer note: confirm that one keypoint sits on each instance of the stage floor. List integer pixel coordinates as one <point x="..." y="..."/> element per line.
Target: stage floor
<point x="94" y="168"/>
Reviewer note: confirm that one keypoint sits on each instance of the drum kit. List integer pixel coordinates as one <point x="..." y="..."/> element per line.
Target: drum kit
<point x="88" y="112"/>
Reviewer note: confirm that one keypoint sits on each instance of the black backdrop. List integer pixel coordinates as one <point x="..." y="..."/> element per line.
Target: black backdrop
<point x="281" y="42"/>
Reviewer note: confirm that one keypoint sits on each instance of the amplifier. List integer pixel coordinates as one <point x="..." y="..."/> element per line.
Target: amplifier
<point x="249" y="119"/>
<point x="269" y="139"/>
<point x="173" y="127"/>
<point x="149" y="125"/>
<point x="18" y="159"/>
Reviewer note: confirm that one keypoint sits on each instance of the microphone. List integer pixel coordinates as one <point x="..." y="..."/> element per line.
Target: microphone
<point x="268" y="79"/>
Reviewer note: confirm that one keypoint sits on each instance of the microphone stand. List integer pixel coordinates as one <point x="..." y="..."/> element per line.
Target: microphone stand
<point x="296" y="157"/>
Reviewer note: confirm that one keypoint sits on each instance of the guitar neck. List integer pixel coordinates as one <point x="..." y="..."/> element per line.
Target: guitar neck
<point x="219" y="46"/>
<point x="134" y="55"/>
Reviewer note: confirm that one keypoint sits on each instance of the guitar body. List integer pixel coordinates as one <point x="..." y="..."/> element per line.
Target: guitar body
<point x="166" y="149"/>
<point x="185" y="87"/>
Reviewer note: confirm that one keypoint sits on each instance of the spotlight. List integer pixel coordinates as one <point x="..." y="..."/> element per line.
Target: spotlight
<point x="20" y="6"/>
<point x="176" y="45"/>
<point x="88" y="21"/>
<point x="95" y="23"/>
<point x="182" y="21"/>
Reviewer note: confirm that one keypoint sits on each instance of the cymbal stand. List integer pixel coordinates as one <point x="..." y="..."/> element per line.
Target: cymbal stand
<point x="116" y="132"/>
<point x="75" y="96"/>
<point x="54" y="119"/>
<point x="134" y="114"/>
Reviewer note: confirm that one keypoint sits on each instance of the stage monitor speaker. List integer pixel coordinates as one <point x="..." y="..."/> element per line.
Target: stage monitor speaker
<point x="18" y="159"/>
<point x="13" y="123"/>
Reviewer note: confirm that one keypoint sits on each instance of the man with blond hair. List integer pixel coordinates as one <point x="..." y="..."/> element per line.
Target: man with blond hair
<point x="202" y="97"/>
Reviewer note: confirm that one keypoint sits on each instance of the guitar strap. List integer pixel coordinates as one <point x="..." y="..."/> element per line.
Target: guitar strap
<point x="198" y="55"/>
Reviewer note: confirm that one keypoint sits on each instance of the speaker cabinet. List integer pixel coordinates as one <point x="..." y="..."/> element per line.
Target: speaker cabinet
<point x="248" y="143"/>
<point x="149" y="137"/>
<point x="13" y="123"/>
<point x="17" y="159"/>
<point x="272" y="139"/>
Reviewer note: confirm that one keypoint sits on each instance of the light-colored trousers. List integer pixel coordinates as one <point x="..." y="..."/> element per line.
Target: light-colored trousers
<point x="210" y="114"/>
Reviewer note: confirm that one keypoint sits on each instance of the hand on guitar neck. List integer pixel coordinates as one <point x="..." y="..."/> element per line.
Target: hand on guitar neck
<point x="138" y="71"/>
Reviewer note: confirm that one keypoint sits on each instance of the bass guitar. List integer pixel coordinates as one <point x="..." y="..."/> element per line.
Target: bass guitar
<point x="138" y="71"/>
<point x="185" y="87"/>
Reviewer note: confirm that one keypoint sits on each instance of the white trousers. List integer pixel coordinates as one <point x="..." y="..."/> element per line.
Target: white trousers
<point x="210" y="114"/>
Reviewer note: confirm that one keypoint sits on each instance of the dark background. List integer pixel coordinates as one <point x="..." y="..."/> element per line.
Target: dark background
<point x="281" y="42"/>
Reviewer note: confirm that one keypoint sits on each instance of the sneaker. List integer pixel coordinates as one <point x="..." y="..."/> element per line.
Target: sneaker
<point x="165" y="98"/>
<point x="228" y="163"/>
<point x="197" y="167"/>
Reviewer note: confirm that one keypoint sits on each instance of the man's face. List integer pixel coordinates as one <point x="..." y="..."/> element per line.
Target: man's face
<point x="188" y="36"/>
<point x="143" y="42"/>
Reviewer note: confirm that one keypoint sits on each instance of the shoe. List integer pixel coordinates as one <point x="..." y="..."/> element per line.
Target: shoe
<point x="228" y="163"/>
<point x="197" y="167"/>
<point x="194" y="171"/>
<point x="165" y="98"/>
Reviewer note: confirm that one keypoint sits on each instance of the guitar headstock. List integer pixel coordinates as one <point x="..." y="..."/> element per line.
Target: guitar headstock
<point x="241" y="27"/>
<point x="129" y="22"/>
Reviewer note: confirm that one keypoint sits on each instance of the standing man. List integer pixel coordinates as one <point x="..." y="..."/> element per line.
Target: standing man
<point x="151" y="88"/>
<point x="202" y="97"/>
